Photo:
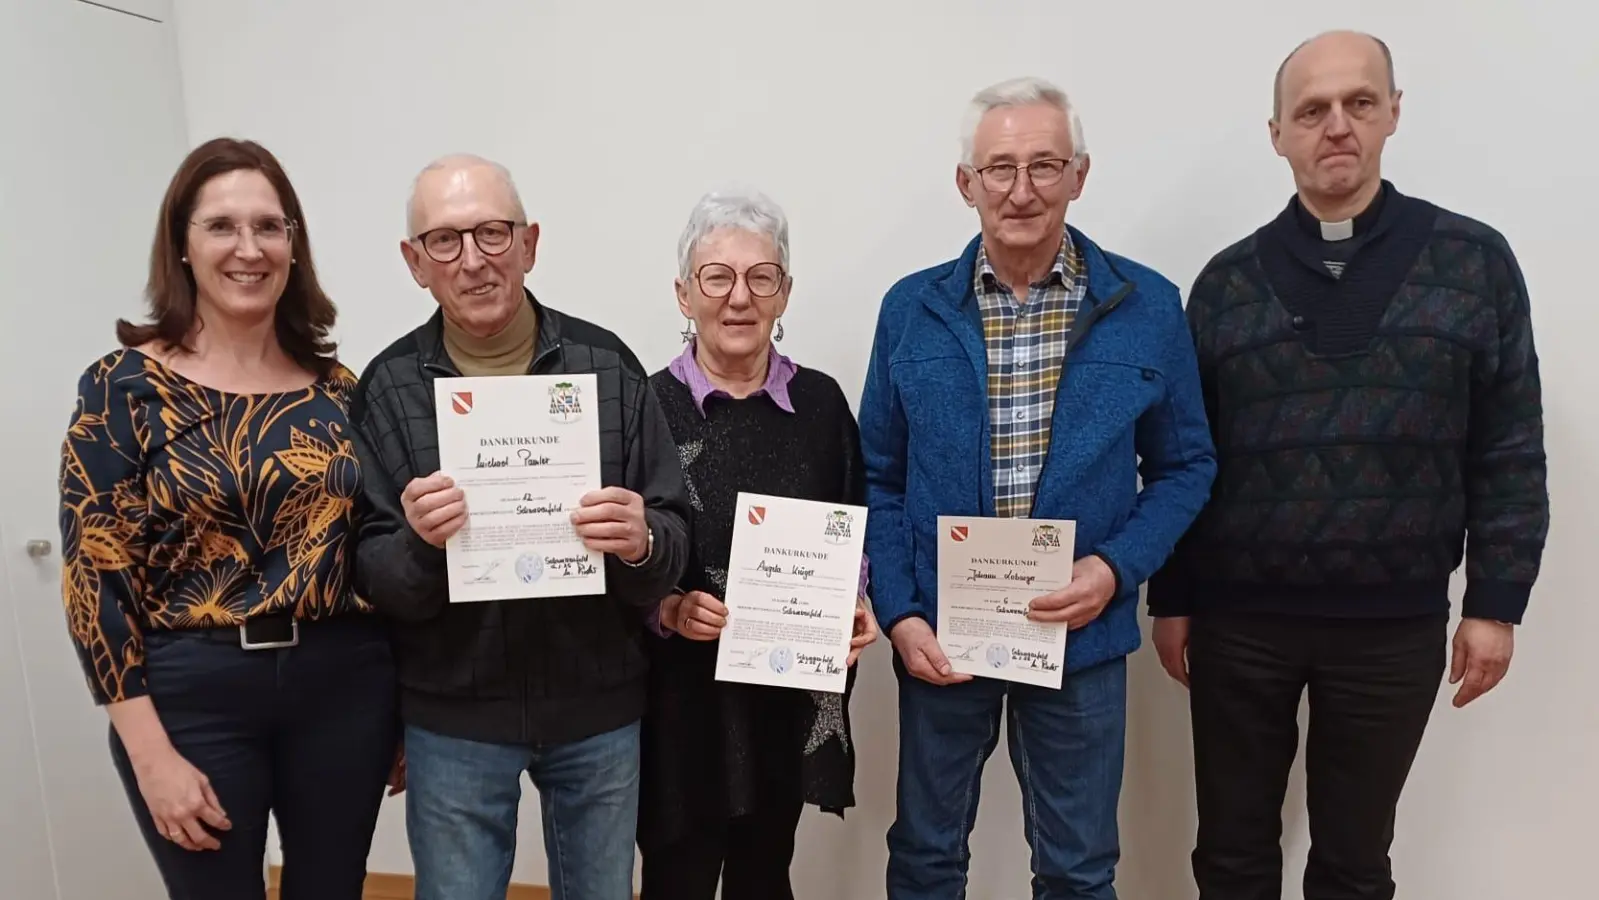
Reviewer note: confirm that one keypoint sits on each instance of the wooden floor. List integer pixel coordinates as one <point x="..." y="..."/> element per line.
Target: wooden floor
<point x="380" y="886"/>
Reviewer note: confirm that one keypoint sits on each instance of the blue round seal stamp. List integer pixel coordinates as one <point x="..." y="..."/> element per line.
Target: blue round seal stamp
<point x="998" y="656"/>
<point x="781" y="660"/>
<point x="529" y="567"/>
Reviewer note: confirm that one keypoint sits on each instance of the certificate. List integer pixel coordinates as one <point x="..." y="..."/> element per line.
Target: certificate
<point x="793" y="576"/>
<point x="988" y="571"/>
<point x="524" y="449"/>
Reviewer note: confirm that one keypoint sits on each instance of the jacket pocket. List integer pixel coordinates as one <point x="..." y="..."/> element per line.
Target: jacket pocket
<point x="1108" y="398"/>
<point x="1091" y="474"/>
<point x="945" y="414"/>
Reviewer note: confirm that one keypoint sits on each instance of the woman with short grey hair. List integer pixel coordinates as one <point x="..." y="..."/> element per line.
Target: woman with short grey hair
<point x="727" y="768"/>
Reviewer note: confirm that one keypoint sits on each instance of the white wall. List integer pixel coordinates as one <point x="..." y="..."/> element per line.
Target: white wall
<point x="614" y="118"/>
<point x="90" y="128"/>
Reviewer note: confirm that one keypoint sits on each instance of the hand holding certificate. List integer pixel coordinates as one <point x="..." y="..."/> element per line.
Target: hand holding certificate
<point x="793" y="576"/>
<point x="524" y="450"/>
<point x="989" y="571"/>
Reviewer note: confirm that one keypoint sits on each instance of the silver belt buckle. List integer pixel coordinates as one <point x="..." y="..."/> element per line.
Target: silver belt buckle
<point x="294" y="638"/>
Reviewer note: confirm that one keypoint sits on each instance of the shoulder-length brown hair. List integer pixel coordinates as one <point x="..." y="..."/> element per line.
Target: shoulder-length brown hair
<point x="304" y="314"/>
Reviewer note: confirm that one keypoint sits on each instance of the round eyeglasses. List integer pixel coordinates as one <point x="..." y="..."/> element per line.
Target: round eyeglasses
<point x="764" y="280"/>
<point x="492" y="238"/>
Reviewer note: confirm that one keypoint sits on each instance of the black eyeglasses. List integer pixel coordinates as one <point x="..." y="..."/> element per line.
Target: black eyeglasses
<point x="492" y="238"/>
<point x="763" y="279"/>
<point x="1041" y="172"/>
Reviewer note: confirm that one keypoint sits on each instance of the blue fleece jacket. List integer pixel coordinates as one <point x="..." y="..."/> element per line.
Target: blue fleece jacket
<point x="1128" y="405"/>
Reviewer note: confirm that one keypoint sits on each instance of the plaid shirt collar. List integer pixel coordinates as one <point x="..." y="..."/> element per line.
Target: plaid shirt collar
<point x="988" y="286"/>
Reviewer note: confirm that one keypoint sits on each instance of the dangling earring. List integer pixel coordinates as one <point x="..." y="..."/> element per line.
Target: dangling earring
<point x="778" y="335"/>
<point x="688" y="330"/>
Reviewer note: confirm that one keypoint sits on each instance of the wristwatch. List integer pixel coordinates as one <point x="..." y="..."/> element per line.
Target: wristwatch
<point x="649" y="549"/>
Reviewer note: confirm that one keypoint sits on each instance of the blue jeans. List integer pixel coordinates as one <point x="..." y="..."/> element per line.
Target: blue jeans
<point x="461" y="802"/>
<point x="1067" y="748"/>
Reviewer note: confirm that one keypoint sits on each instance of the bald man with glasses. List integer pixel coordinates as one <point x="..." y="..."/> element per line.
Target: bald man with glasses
<point x="553" y="687"/>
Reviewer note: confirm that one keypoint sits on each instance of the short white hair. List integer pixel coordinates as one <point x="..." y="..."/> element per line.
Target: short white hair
<point x="740" y="208"/>
<point x="1024" y="91"/>
<point x="462" y="161"/>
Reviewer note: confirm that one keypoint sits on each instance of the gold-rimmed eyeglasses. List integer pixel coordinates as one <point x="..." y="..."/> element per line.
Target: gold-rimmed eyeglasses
<point x="717" y="280"/>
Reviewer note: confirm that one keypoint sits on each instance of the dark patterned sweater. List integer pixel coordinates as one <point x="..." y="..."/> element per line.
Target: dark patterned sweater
<point x="716" y="750"/>
<point x="1366" y="423"/>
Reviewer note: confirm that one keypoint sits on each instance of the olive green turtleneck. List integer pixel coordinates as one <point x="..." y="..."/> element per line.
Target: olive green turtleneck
<point x="510" y="352"/>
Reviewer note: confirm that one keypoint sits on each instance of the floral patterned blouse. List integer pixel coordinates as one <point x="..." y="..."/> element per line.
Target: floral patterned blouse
<point x="183" y="506"/>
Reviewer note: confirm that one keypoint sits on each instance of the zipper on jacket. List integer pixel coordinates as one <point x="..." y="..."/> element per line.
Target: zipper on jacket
<point x="519" y="672"/>
<point x="441" y="370"/>
<point x="541" y="356"/>
<point x="448" y="369"/>
<point x="1072" y="340"/>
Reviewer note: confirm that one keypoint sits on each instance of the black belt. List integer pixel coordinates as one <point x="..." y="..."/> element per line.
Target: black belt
<point x="269" y="632"/>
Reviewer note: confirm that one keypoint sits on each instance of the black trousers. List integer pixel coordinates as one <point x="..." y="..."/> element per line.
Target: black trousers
<point x="307" y="732"/>
<point x="1372" y="687"/>
<point x="750" y="855"/>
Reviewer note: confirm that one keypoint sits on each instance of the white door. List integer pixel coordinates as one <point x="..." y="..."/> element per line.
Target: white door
<point x="24" y="839"/>
<point x="92" y="116"/>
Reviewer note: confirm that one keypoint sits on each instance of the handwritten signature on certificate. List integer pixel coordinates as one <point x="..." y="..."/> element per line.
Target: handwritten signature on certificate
<point x="524" y="450"/>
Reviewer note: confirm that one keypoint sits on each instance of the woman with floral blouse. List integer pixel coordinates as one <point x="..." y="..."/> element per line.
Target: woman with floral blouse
<point x="209" y="503"/>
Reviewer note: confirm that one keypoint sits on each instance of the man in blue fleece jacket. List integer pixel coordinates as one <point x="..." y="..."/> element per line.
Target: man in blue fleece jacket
<point x="1034" y="376"/>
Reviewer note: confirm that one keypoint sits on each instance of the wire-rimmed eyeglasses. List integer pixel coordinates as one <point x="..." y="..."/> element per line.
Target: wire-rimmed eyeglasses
<point x="717" y="280"/>
<point x="1041" y="172"/>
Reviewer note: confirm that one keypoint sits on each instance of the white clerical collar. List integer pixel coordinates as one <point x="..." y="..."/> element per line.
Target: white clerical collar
<point x="1338" y="231"/>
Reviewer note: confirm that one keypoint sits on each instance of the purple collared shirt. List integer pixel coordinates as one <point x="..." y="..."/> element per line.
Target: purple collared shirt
<point x="779" y="372"/>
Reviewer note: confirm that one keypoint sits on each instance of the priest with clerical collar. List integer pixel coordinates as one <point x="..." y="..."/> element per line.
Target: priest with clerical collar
<point x="1373" y="391"/>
